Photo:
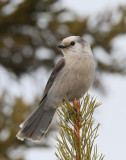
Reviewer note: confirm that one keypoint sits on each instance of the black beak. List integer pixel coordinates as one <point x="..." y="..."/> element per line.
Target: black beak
<point x="61" y="46"/>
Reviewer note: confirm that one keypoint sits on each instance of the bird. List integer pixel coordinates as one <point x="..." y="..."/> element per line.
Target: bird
<point x="71" y="77"/>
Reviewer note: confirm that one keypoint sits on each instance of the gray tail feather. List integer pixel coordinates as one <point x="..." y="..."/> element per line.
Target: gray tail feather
<point x="36" y="125"/>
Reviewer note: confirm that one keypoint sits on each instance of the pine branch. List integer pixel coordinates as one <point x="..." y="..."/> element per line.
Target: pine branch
<point x="77" y="131"/>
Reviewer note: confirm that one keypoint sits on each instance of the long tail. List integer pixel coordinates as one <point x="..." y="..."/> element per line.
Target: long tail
<point x="35" y="127"/>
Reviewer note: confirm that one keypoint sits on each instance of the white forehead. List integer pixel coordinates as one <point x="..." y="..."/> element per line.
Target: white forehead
<point x="70" y="39"/>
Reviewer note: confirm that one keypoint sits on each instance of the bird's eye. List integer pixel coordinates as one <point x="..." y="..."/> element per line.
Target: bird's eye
<point x="72" y="43"/>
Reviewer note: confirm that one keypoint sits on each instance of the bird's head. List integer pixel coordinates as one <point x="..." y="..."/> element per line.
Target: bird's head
<point x="74" y="45"/>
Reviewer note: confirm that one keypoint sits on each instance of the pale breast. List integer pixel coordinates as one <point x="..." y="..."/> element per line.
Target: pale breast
<point x="74" y="79"/>
<point x="80" y="77"/>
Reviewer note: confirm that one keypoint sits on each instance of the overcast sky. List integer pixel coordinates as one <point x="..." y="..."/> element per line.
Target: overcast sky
<point x="91" y="6"/>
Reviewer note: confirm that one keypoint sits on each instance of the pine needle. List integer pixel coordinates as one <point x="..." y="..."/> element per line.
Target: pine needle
<point x="77" y="130"/>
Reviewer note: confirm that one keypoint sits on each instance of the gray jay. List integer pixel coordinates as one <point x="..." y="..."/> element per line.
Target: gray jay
<point x="71" y="78"/>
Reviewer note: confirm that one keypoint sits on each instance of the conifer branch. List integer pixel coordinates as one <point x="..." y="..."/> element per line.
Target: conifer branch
<point x="77" y="131"/>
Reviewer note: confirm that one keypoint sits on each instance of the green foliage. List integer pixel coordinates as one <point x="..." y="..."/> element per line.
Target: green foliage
<point x="77" y="130"/>
<point x="37" y="23"/>
<point x="11" y="115"/>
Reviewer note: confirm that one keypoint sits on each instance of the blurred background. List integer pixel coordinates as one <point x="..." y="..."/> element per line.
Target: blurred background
<point x="29" y="33"/>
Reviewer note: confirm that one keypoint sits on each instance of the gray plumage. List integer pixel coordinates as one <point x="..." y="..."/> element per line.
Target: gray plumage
<point x="71" y="77"/>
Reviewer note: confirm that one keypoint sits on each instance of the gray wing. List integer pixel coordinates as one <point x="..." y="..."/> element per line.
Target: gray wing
<point x="53" y="76"/>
